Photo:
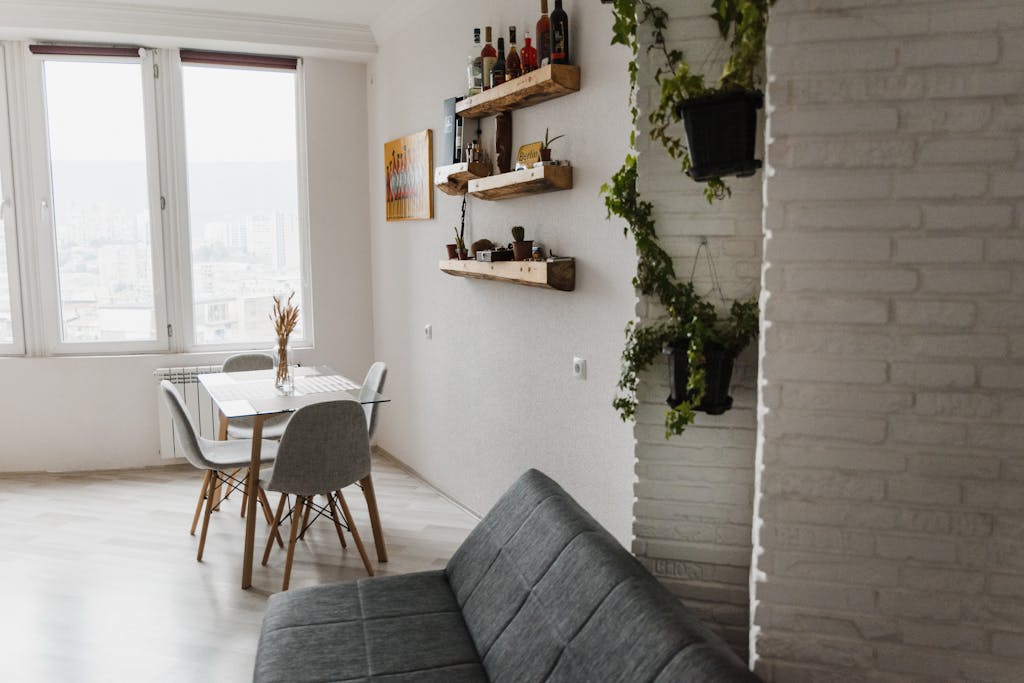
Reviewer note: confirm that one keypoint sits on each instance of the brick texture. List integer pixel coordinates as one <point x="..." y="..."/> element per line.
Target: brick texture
<point x="694" y="493"/>
<point x="889" y="499"/>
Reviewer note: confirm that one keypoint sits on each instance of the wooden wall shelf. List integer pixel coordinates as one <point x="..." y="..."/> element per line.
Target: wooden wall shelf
<point x="530" y="181"/>
<point x="454" y="178"/>
<point x="560" y="274"/>
<point x="546" y="83"/>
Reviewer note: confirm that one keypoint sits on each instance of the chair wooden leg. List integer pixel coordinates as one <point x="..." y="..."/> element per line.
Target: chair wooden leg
<point x="211" y="490"/>
<point x="355" y="534"/>
<point x="265" y="504"/>
<point x="337" y="522"/>
<point x="273" y="531"/>
<point x="199" y="503"/>
<point x="371" y="505"/>
<point x="234" y="474"/>
<point x="218" y="478"/>
<point x="245" y="495"/>
<point x="305" y="518"/>
<point x="296" y="524"/>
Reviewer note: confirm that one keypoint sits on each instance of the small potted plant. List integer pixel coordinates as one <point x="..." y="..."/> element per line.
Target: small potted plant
<point x="460" y="246"/>
<point x="545" y="147"/>
<point x="522" y="248"/>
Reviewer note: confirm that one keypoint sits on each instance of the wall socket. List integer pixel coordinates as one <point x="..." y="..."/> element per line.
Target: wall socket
<point x="428" y="331"/>
<point x="579" y="368"/>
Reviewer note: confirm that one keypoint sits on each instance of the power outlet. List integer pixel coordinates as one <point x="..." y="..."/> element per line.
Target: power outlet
<point x="428" y="331"/>
<point x="579" y="368"/>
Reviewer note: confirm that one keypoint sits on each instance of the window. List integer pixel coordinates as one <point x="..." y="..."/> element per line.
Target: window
<point x="167" y="199"/>
<point x="241" y="146"/>
<point x="103" y="210"/>
<point x="11" y="340"/>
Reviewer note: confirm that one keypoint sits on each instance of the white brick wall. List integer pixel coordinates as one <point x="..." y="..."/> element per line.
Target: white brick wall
<point x="890" y="494"/>
<point x="694" y="493"/>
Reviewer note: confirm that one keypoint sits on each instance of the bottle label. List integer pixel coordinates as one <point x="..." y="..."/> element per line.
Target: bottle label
<point x="557" y="45"/>
<point x="488" y="64"/>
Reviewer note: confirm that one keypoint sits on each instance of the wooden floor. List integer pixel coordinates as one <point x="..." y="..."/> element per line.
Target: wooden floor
<point x="99" y="581"/>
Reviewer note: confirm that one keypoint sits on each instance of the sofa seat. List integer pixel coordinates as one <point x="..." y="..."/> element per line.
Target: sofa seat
<point x="389" y="629"/>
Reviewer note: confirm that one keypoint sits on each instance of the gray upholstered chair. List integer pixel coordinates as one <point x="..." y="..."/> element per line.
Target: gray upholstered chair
<point x="241" y="427"/>
<point x="325" y="448"/>
<point x="216" y="458"/>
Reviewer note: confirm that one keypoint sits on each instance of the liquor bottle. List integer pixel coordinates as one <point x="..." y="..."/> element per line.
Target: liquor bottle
<point x="528" y="55"/>
<point x="559" y="35"/>
<point x="513" y="65"/>
<point x="543" y="35"/>
<point x="498" y="70"/>
<point x="474" y="67"/>
<point x="487" y="58"/>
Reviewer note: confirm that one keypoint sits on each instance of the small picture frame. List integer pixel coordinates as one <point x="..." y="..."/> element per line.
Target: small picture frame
<point x="407" y="177"/>
<point x="528" y="155"/>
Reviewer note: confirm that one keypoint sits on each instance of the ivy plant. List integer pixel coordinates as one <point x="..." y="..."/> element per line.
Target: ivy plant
<point x="691" y="322"/>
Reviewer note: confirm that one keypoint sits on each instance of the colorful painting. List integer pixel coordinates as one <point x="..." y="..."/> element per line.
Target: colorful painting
<point x="407" y="173"/>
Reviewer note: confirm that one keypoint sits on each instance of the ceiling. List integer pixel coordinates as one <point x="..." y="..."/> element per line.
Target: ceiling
<point x="360" y="12"/>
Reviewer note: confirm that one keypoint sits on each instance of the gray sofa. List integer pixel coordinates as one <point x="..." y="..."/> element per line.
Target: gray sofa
<point x="539" y="591"/>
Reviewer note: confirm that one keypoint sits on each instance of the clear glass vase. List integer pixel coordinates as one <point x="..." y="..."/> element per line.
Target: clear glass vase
<point x="285" y="378"/>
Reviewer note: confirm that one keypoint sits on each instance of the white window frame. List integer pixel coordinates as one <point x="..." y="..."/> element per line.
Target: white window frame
<point x="48" y="271"/>
<point x="175" y="131"/>
<point x="9" y="216"/>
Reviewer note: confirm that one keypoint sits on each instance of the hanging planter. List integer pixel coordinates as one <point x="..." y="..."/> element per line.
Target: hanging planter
<point x="718" y="363"/>
<point x="721" y="133"/>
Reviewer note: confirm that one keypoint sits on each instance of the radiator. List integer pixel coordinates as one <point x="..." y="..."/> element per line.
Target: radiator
<point x="200" y="405"/>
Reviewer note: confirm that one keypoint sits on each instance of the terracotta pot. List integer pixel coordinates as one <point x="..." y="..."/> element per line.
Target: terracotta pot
<point x="522" y="251"/>
<point x="452" y="251"/>
<point x="463" y="254"/>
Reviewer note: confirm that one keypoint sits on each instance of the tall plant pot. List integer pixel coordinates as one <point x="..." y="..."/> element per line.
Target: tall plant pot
<point x="721" y="132"/>
<point x="718" y="363"/>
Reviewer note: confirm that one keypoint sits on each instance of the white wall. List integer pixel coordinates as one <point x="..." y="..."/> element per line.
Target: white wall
<point x="101" y="412"/>
<point x="492" y="393"/>
<point x="892" y="492"/>
<point x="695" y="491"/>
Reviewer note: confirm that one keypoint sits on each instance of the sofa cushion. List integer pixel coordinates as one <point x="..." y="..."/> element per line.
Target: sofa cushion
<point x="548" y="595"/>
<point x="396" y="629"/>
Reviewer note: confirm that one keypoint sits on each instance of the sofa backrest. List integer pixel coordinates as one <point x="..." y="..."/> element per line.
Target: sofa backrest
<point x="549" y="595"/>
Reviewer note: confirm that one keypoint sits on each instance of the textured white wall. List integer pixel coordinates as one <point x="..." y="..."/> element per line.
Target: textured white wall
<point x="891" y="531"/>
<point x="694" y="492"/>
<point x="492" y="393"/>
<point x="101" y="412"/>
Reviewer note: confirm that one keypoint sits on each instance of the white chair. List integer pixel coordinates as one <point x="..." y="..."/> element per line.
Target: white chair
<point x="215" y="458"/>
<point x="325" y="448"/>
<point x="241" y="427"/>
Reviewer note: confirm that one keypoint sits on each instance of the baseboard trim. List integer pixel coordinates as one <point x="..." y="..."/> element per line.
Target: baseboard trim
<point x="441" y="492"/>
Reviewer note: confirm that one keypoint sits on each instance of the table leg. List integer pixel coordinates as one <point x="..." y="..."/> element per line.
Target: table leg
<point x="222" y="430"/>
<point x="250" y="515"/>
<point x="371" y="506"/>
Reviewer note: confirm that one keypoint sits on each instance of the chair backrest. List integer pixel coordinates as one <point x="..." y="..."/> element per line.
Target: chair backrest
<point x="374" y="381"/>
<point x="325" y="447"/>
<point x="244" y="362"/>
<point x="184" y="428"/>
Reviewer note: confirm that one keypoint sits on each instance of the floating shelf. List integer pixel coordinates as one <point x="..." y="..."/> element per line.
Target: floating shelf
<point x="530" y="181"/>
<point x="559" y="274"/>
<point x="454" y="178"/>
<point x="546" y="83"/>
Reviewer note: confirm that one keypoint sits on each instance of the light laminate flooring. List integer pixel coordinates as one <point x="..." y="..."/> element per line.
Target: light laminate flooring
<point x="99" y="580"/>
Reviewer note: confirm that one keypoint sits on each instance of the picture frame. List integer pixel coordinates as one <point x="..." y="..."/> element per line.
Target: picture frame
<point x="408" y="164"/>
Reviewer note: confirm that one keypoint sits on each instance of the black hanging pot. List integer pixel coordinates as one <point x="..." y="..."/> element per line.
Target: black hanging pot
<point x="718" y="362"/>
<point x="721" y="132"/>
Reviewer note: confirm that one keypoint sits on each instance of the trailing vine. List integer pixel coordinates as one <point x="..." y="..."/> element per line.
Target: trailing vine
<point x="691" y="322"/>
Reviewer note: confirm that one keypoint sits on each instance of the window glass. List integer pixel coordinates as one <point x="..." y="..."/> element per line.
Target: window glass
<point x="100" y="200"/>
<point x="6" y="314"/>
<point x="241" y="149"/>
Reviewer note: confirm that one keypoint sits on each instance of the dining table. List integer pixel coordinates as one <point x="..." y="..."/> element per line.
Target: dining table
<point x="255" y="394"/>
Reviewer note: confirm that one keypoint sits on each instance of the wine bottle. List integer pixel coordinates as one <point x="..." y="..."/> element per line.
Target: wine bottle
<point x="498" y="70"/>
<point x="528" y="55"/>
<point x="487" y="58"/>
<point x="513" y="65"/>
<point x="474" y="67"/>
<point x="543" y="35"/>
<point x="559" y="35"/>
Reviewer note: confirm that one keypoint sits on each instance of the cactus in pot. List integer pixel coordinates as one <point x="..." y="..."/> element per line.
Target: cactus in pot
<point x="522" y="248"/>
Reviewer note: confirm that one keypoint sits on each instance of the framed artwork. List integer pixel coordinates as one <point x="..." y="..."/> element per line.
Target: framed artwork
<point x="408" y="191"/>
